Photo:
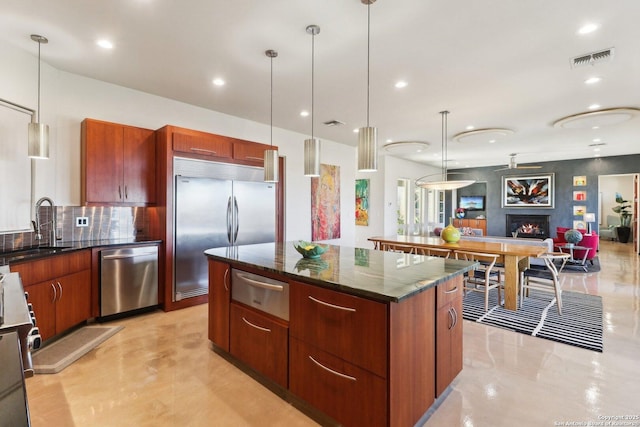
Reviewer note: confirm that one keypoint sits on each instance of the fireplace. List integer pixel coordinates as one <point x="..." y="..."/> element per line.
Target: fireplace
<point x="528" y="226"/>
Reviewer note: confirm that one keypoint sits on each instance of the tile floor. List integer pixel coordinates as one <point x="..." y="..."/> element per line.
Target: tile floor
<point x="160" y="371"/>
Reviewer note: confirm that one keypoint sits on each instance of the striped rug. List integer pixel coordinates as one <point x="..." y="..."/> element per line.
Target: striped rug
<point x="580" y="324"/>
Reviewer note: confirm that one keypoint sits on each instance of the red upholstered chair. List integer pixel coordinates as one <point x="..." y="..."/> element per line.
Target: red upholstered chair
<point x="591" y="241"/>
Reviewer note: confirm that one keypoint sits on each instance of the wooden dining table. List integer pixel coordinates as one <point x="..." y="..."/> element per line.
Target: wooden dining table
<point x="516" y="257"/>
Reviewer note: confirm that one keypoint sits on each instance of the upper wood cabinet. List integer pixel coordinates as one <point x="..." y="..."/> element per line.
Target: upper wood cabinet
<point x="250" y="151"/>
<point x="203" y="144"/>
<point x="118" y="164"/>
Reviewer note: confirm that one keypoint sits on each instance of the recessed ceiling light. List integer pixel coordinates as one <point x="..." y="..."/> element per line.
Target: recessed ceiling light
<point x="596" y="140"/>
<point x="596" y="149"/>
<point x="218" y="82"/>
<point x="594" y="106"/>
<point x="492" y="141"/>
<point x="470" y="127"/>
<point x="105" y="44"/>
<point x="389" y="140"/>
<point x="400" y="84"/>
<point x="304" y="113"/>
<point x="595" y="127"/>
<point x="596" y="155"/>
<point x="588" y="28"/>
<point x="356" y="130"/>
<point x="592" y="80"/>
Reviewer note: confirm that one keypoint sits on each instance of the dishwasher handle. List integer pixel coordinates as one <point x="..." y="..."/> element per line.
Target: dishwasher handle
<point x="125" y="256"/>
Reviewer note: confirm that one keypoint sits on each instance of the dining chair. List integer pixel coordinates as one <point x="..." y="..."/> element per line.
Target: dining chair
<point x="545" y="279"/>
<point x="395" y="247"/>
<point x="485" y="277"/>
<point x="439" y="252"/>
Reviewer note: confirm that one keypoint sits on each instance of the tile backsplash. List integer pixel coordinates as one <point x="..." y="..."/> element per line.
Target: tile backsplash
<point x="103" y="222"/>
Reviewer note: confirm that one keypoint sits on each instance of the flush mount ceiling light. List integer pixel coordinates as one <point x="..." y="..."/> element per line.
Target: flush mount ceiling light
<point x="368" y="136"/>
<point x="595" y="119"/>
<point x="38" y="132"/>
<point x="406" y="147"/>
<point x="271" y="155"/>
<point x="444" y="183"/>
<point x="312" y="145"/>
<point x="482" y="135"/>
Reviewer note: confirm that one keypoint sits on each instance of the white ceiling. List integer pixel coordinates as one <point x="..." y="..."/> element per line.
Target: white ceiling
<point x="491" y="63"/>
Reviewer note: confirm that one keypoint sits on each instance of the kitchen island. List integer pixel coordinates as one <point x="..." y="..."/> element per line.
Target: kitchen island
<point x="365" y="337"/>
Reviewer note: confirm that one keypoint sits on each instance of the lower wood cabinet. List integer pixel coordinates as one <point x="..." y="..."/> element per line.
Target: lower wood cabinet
<point x="59" y="289"/>
<point x="261" y="342"/>
<point x="448" y="333"/>
<point x="471" y="223"/>
<point x="219" y="301"/>
<point x="351" y="395"/>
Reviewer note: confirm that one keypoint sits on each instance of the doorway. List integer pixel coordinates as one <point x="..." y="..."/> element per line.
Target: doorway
<point x="627" y="186"/>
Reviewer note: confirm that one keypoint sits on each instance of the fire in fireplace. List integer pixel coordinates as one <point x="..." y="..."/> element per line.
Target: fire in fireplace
<point x="528" y="226"/>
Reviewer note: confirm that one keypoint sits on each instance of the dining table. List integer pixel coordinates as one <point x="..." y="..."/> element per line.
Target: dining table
<point x="515" y="256"/>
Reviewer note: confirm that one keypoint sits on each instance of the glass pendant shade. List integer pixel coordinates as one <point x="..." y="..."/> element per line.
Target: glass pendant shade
<point x="38" y="141"/>
<point x="368" y="149"/>
<point x="312" y="157"/>
<point x="271" y="166"/>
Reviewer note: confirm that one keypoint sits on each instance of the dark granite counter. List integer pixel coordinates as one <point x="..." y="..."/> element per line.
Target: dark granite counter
<point x="372" y="274"/>
<point x="28" y="254"/>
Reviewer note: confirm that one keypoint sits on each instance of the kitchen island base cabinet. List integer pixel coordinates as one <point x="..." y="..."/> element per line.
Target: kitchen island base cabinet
<point x="448" y="333"/>
<point x="219" y="302"/>
<point x="261" y="342"/>
<point x="345" y="392"/>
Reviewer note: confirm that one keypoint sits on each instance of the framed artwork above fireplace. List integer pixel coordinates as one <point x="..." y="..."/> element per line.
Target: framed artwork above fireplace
<point x="533" y="191"/>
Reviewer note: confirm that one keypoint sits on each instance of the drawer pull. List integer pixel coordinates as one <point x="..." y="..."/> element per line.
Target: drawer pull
<point x="255" y="326"/>
<point x="454" y="290"/>
<point x="341" y="375"/>
<point x="204" y="150"/>
<point x="339" y="307"/>
<point x="259" y="284"/>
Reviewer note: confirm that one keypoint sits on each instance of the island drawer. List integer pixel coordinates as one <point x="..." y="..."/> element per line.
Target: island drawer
<point x="260" y="341"/>
<point x="449" y="291"/>
<point x="347" y="393"/>
<point x="349" y="327"/>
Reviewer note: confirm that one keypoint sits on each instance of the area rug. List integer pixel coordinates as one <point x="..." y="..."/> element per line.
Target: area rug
<point x="54" y="357"/>
<point x="580" y="324"/>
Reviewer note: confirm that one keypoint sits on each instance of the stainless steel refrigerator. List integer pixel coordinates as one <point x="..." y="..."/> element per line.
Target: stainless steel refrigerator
<point x="216" y="204"/>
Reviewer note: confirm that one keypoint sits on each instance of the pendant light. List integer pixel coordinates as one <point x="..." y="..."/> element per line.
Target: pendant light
<point x="368" y="136"/>
<point x="38" y="132"/>
<point x="443" y="184"/>
<point x="271" y="155"/>
<point x="312" y="145"/>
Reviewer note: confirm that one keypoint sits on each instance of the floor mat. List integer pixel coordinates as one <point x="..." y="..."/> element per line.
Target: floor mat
<point x="56" y="356"/>
<point x="580" y="324"/>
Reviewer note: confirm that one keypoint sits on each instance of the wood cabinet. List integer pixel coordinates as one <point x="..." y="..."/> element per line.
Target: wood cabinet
<point x="261" y="341"/>
<point x="118" y="164"/>
<point x="59" y="288"/>
<point x="202" y="144"/>
<point x="219" y="301"/>
<point x="448" y="333"/>
<point x="471" y="223"/>
<point x="250" y="151"/>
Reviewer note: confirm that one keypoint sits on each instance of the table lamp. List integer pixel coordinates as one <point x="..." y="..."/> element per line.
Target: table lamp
<point x="589" y="218"/>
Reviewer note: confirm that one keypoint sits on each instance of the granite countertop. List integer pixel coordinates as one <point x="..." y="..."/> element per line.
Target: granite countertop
<point x="372" y="274"/>
<point x="27" y="254"/>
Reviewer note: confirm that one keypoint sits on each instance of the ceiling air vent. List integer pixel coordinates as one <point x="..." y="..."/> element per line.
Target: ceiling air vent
<point x="333" y="123"/>
<point x="605" y="55"/>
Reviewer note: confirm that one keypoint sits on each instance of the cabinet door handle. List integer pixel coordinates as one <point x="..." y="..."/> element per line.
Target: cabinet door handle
<point x="126" y="192"/>
<point x="254" y="158"/>
<point x="55" y="293"/>
<point x="339" y="307"/>
<point x="451" y="319"/>
<point x="119" y="192"/>
<point x="255" y="326"/>
<point x="341" y="375"/>
<point x="60" y="286"/>
<point x="224" y="280"/>
<point x="451" y="291"/>
<point x="204" y="150"/>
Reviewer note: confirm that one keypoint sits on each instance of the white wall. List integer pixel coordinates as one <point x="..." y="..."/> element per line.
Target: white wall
<point x="66" y="99"/>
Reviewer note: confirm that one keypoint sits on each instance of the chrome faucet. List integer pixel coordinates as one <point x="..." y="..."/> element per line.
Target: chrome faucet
<point x="37" y="225"/>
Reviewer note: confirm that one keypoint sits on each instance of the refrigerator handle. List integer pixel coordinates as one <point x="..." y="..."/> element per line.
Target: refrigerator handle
<point x="236" y="222"/>
<point x="229" y="220"/>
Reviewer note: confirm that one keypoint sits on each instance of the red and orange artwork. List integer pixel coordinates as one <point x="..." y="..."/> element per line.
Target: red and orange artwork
<point x="325" y="204"/>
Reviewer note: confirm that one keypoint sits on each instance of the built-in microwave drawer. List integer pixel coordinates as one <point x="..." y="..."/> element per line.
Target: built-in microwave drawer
<point x="262" y="293"/>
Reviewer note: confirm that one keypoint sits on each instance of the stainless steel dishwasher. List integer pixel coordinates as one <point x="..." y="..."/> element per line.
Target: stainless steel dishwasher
<point x="128" y="279"/>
